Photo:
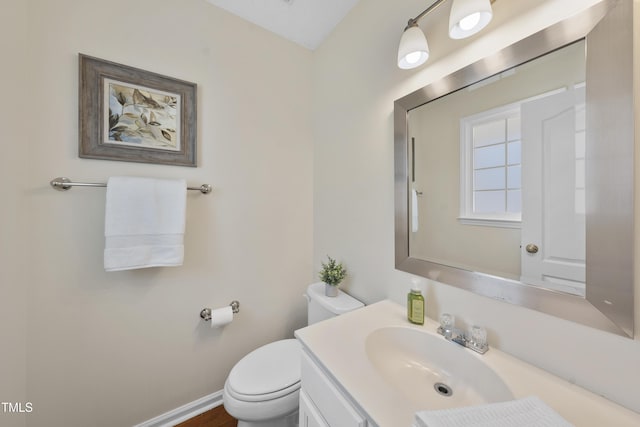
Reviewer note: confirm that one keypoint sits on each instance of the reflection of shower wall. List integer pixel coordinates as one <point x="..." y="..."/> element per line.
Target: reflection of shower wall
<point x="436" y="128"/>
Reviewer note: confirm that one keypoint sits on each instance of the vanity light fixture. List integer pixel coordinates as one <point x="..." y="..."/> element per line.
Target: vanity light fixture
<point x="467" y="17"/>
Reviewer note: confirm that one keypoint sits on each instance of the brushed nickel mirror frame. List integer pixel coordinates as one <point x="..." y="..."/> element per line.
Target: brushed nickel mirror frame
<point x="608" y="30"/>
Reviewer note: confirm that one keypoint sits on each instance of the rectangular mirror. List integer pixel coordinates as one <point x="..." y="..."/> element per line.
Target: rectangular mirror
<point x="514" y="176"/>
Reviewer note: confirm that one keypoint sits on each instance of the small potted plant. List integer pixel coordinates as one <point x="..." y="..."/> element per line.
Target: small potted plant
<point x="332" y="274"/>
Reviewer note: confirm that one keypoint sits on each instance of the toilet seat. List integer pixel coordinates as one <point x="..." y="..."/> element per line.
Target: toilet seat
<point x="261" y="397"/>
<point x="260" y="411"/>
<point x="269" y="372"/>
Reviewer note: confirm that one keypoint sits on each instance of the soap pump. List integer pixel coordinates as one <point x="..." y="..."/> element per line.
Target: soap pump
<point x="415" y="304"/>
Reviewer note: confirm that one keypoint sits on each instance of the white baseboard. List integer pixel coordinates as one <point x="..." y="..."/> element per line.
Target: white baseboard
<point x="185" y="412"/>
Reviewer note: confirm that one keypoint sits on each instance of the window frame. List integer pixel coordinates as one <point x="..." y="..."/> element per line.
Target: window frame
<point x="467" y="215"/>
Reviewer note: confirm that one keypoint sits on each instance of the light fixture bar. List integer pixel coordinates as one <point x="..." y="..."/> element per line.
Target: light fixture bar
<point x="428" y="10"/>
<point x="470" y="17"/>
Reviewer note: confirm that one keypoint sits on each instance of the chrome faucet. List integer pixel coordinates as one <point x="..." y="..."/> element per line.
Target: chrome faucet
<point x="475" y="340"/>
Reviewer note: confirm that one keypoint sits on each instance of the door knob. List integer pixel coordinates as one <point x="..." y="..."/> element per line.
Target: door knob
<point x="531" y="248"/>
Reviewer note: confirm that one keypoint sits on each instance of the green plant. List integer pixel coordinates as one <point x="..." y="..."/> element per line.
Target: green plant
<point x="332" y="272"/>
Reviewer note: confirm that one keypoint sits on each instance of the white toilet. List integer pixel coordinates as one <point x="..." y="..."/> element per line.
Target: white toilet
<point x="263" y="388"/>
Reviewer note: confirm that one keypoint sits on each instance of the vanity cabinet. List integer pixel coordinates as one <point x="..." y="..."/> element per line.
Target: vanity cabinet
<point x="322" y="403"/>
<point x="309" y="414"/>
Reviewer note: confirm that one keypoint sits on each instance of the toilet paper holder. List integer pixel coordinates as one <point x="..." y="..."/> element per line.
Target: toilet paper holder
<point x="205" y="313"/>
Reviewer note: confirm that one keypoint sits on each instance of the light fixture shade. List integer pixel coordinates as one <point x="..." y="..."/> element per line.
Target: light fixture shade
<point x="414" y="49"/>
<point x="467" y="17"/>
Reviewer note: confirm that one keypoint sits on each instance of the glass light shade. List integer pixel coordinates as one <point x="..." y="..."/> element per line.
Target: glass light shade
<point x="467" y="17"/>
<point x="413" y="50"/>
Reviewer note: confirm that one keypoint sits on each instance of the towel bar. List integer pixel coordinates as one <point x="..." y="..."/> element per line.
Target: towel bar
<point x="62" y="183"/>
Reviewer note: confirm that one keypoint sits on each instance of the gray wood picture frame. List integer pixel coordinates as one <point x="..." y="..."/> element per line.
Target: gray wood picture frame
<point x="156" y="122"/>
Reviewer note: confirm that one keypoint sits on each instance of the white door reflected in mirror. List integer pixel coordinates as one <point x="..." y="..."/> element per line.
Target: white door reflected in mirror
<point x="553" y="181"/>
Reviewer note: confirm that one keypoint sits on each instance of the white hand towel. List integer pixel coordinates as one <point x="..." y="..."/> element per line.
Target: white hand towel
<point x="144" y="223"/>
<point x="527" y="412"/>
<point x="414" y="210"/>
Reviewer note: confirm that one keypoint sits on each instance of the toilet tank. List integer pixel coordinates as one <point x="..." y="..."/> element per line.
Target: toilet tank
<point x="322" y="307"/>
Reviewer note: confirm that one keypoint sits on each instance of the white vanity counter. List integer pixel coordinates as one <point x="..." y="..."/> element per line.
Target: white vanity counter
<point x="338" y="346"/>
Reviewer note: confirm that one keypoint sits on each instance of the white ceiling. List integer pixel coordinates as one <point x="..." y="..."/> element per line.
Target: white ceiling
<point x="306" y="22"/>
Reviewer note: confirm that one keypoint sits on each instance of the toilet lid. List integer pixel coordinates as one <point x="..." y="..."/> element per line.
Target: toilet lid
<point x="268" y="369"/>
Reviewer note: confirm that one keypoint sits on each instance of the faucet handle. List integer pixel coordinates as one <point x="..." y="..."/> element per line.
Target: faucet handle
<point x="447" y="323"/>
<point x="478" y="339"/>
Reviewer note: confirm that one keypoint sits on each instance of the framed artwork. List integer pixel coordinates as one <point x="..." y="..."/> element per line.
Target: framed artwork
<point x="134" y="115"/>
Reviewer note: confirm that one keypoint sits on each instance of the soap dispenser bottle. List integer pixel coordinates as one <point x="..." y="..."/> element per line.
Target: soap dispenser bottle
<point x="415" y="305"/>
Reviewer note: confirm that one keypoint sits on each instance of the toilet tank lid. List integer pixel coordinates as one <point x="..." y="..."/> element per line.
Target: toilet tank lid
<point x="343" y="303"/>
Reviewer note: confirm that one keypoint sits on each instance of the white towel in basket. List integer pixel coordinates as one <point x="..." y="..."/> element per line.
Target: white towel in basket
<point x="527" y="412"/>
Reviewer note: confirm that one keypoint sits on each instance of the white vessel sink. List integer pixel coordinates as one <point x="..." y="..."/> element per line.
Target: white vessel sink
<point x="431" y="372"/>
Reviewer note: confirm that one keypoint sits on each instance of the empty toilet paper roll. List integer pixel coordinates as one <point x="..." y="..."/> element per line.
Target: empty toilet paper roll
<point x="221" y="316"/>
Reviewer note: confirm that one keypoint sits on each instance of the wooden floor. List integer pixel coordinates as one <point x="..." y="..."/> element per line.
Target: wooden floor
<point x="217" y="417"/>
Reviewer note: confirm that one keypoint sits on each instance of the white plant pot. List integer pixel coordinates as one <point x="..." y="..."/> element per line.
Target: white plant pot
<point x="330" y="290"/>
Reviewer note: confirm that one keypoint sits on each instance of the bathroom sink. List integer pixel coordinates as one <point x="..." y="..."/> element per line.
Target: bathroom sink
<point x="431" y="372"/>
